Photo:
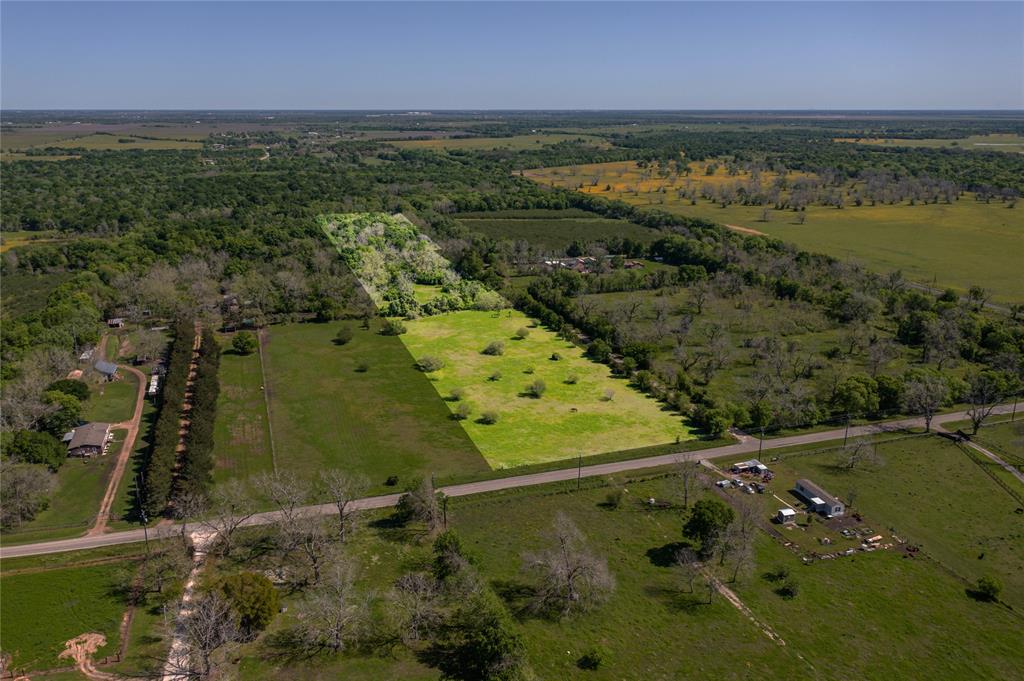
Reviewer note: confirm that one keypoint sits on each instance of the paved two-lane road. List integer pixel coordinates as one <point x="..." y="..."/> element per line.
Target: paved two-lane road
<point x="749" y="446"/>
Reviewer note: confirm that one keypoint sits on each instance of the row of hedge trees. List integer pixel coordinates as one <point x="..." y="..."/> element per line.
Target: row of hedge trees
<point x="197" y="464"/>
<point x="159" y="470"/>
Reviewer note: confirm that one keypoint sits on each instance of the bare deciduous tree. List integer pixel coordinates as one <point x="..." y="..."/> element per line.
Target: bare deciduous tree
<point x="208" y="626"/>
<point x="924" y="396"/>
<point x="689" y="565"/>
<point x="687" y="479"/>
<point x="336" y="613"/>
<point x="570" y="577"/>
<point x="420" y="503"/>
<point x="231" y="505"/>
<point x="858" y="451"/>
<point x="341" y="489"/>
<point x="415" y="606"/>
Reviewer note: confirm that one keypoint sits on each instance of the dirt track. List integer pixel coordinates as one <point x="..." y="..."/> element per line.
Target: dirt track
<point x="123" y="456"/>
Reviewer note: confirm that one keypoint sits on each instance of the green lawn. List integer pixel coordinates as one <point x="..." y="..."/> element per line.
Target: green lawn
<point x="241" y="438"/>
<point x="112" y="401"/>
<point x="567" y="421"/>
<point x="386" y="420"/>
<point x="994" y="142"/>
<point x="75" y="500"/>
<point x="123" y="512"/>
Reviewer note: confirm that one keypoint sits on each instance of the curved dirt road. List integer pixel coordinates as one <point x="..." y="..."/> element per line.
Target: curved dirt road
<point x="100" y="526"/>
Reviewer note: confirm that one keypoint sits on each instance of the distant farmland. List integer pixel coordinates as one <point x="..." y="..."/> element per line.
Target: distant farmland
<point x="517" y="142"/>
<point x="959" y="245"/>
<point x="554" y="229"/>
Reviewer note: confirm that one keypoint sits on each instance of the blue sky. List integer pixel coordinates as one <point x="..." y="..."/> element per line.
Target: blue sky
<point x="423" y="55"/>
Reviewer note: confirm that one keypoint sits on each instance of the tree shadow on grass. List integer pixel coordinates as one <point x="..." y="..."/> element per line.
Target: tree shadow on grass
<point x="680" y="600"/>
<point x="665" y="556"/>
<point x="520" y="598"/>
<point x="397" y="529"/>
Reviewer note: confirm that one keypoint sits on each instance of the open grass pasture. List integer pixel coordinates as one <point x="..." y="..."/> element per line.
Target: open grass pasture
<point x="514" y="143"/>
<point x="994" y="142"/>
<point x="362" y="406"/>
<point x="573" y="417"/>
<point x="653" y="627"/>
<point x="241" y="437"/>
<point x="554" y="230"/>
<point x="52" y="598"/>
<point x="958" y="245"/>
<point x="40" y="610"/>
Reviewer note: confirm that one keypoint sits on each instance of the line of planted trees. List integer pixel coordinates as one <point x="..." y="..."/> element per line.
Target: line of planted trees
<point x="162" y="457"/>
<point x="197" y="462"/>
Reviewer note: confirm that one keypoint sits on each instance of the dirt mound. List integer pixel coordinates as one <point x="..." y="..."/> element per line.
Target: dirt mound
<point x="81" y="649"/>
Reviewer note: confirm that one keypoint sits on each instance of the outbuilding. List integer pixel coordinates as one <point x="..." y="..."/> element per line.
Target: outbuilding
<point x="785" y="515"/>
<point x="115" y="322"/>
<point x="107" y="370"/>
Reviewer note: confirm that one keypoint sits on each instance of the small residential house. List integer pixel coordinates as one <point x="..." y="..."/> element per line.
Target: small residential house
<point x="88" y="440"/>
<point x="116" y="322"/>
<point x="818" y="499"/>
<point x="785" y="515"/>
<point x="107" y="370"/>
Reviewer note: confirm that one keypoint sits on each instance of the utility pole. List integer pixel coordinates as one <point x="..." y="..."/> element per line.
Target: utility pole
<point x="1013" y="414"/>
<point x="579" y="473"/>
<point x="846" y="435"/>
<point x="760" y="443"/>
<point x="142" y="512"/>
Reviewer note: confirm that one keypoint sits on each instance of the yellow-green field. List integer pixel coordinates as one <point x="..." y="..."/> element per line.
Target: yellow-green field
<point x="9" y="240"/>
<point x="515" y="143"/>
<point x="958" y="245"/>
<point x="567" y="421"/>
<point x="996" y="142"/>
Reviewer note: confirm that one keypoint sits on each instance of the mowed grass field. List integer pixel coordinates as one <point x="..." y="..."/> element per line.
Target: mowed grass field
<point x="327" y="412"/>
<point x="112" y="401"/>
<point x="241" y="436"/>
<point x="554" y="229"/>
<point x="515" y="143"/>
<point x="958" y="245"/>
<point x="569" y="420"/>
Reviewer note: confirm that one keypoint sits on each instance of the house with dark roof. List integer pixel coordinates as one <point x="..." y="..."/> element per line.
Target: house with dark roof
<point x="88" y="440"/>
<point x="818" y="499"/>
<point x="106" y="369"/>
